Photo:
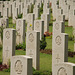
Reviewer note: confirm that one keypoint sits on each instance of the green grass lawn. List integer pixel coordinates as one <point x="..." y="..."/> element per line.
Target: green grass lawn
<point x="45" y="61"/>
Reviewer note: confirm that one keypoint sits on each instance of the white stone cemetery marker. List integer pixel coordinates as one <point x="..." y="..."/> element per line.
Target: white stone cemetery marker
<point x="64" y="69"/>
<point x="9" y="38"/>
<point x="39" y="26"/>
<point x="45" y="18"/>
<point x="33" y="47"/>
<point x="30" y="22"/>
<point x="20" y="28"/>
<point x="59" y="45"/>
<point x="21" y="65"/>
<point x="4" y="22"/>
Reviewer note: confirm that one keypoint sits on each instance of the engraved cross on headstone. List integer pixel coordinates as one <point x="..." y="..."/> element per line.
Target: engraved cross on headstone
<point x="18" y="34"/>
<point x="7" y="52"/>
<point x="31" y="53"/>
<point x="57" y="58"/>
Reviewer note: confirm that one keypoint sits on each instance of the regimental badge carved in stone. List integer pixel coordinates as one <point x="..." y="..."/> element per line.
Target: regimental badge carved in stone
<point x="56" y="26"/>
<point x="37" y="25"/>
<point x="19" y="23"/>
<point x="58" y="40"/>
<point x="7" y="34"/>
<point x="31" y="37"/>
<point x="18" y="67"/>
<point x="62" y="71"/>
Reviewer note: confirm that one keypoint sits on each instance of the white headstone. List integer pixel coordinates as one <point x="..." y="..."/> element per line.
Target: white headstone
<point x="30" y="22"/>
<point x="9" y="38"/>
<point x="33" y="47"/>
<point x="21" y="65"/>
<point x="65" y="69"/>
<point x="39" y="26"/>
<point x="4" y="22"/>
<point x="20" y="28"/>
<point x="59" y="45"/>
<point x="45" y="18"/>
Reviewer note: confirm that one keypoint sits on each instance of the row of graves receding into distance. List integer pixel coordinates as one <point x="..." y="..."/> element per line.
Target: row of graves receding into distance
<point x="22" y="64"/>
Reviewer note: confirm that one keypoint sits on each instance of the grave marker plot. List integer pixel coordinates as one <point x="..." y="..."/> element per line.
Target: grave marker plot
<point x="9" y="38"/>
<point x="33" y="46"/>
<point x="21" y="65"/>
<point x="20" y="28"/>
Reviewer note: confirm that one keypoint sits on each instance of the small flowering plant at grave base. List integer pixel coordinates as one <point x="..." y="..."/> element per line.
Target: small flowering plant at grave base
<point x="50" y="4"/>
<point x="30" y="25"/>
<point x="5" y="67"/>
<point x="21" y="46"/>
<point x="20" y="16"/>
<point x="47" y="34"/>
<point x="2" y="67"/>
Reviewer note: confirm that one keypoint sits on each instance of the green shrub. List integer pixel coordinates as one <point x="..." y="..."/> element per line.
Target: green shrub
<point x="24" y="46"/>
<point x="43" y="43"/>
<point x="32" y="8"/>
<point x="7" y="70"/>
<point x="21" y="46"/>
<point x="20" y="16"/>
<point x="71" y="38"/>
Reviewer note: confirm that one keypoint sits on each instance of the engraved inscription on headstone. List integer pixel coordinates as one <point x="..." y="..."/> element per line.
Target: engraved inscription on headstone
<point x="31" y="53"/>
<point x="59" y="18"/>
<point x="62" y="71"/>
<point x="56" y="26"/>
<point x="18" y="67"/>
<point x="57" y="58"/>
<point x="19" y="23"/>
<point x="7" y="52"/>
<point x="58" y="40"/>
<point x="31" y="37"/>
<point x="7" y="34"/>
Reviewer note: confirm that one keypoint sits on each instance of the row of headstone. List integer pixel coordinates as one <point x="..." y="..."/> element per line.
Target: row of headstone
<point x="60" y="64"/>
<point x="9" y="42"/>
<point x="11" y="37"/>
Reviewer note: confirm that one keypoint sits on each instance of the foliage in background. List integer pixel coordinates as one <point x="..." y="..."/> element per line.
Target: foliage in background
<point x="20" y="16"/>
<point x="32" y="8"/>
<point x="1" y="32"/>
<point x="21" y="46"/>
<point x="41" y="11"/>
<point x="43" y="43"/>
<point x="47" y="33"/>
